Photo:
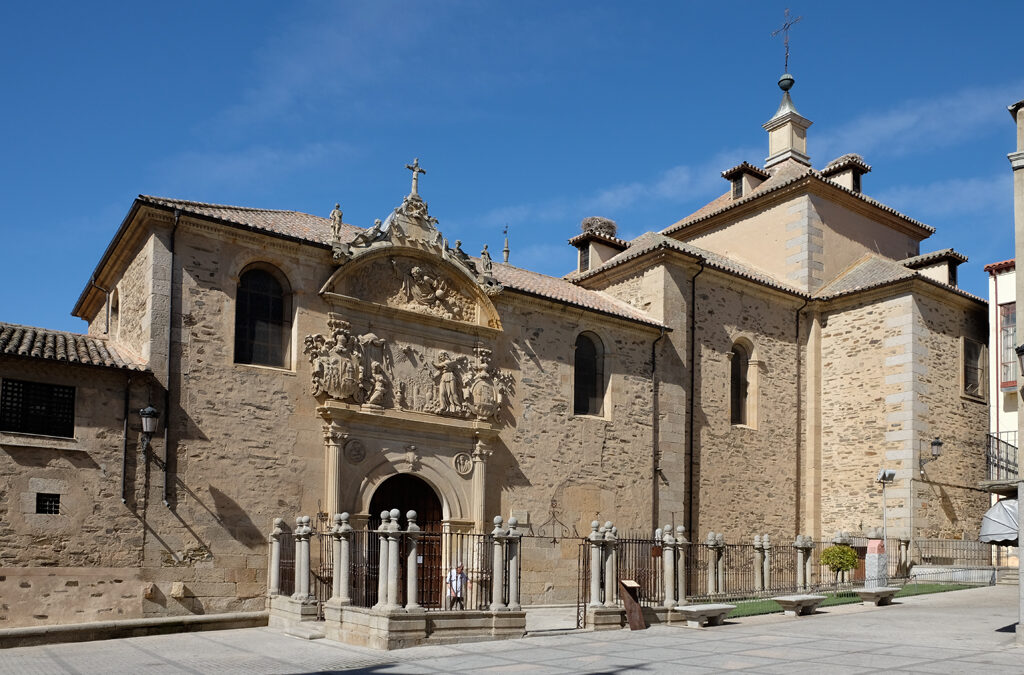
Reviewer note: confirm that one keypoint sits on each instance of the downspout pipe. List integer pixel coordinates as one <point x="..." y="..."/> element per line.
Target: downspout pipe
<point x="797" y="505"/>
<point x="655" y="430"/>
<point x="167" y="389"/>
<point x="691" y="402"/>
<point x="92" y="282"/>
<point x="124" y="440"/>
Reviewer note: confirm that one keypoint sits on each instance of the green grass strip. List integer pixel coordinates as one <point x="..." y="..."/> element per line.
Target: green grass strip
<point x="758" y="606"/>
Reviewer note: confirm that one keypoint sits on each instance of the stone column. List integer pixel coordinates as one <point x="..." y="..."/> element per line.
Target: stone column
<point x="596" y="545"/>
<point x="515" y="538"/>
<point x="481" y="451"/>
<point x="412" y="535"/>
<point x="712" y="563"/>
<point x="611" y="579"/>
<point x="681" y="547"/>
<point x="342" y="540"/>
<point x="720" y="555"/>
<point x="394" y="537"/>
<point x="382" y="563"/>
<point x="766" y="572"/>
<point x="302" y="533"/>
<point x="668" y="558"/>
<point x="801" y="582"/>
<point x="904" y="566"/>
<point x="758" y="564"/>
<point x="334" y="442"/>
<point x="274" y="577"/>
<point x="498" y="567"/>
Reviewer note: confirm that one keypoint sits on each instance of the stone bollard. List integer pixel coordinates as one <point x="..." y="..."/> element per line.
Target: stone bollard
<point x="412" y="535"/>
<point x="382" y="562"/>
<point x="341" y="534"/>
<point x="766" y="572"/>
<point x="668" y="557"/>
<point x="803" y="545"/>
<point x="274" y="578"/>
<point x="611" y="579"/>
<point x="681" y="546"/>
<point x="758" y="564"/>
<point x="515" y="537"/>
<point x="904" y="559"/>
<point x="596" y="545"/>
<point x="498" y="569"/>
<point x="302" y="533"/>
<point x="716" y="562"/>
<point x="876" y="562"/>
<point x="394" y="563"/>
<point x="659" y="587"/>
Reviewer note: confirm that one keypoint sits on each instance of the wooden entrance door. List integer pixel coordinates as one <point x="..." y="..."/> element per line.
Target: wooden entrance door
<point x="407" y="492"/>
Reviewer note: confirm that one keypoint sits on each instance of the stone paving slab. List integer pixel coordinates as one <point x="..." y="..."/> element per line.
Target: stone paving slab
<point x="956" y="632"/>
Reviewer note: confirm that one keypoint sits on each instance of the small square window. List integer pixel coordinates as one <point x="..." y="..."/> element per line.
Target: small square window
<point x="47" y="502"/>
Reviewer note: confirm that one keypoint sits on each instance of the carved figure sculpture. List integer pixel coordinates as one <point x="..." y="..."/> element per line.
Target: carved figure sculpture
<point x="336" y="223"/>
<point x="485" y="262"/>
<point x="380" y="386"/>
<point x="449" y="389"/>
<point x="369" y="236"/>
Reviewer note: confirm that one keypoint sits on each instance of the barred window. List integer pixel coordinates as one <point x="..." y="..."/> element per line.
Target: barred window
<point x="47" y="502"/>
<point x="37" y="408"/>
<point x="262" y="319"/>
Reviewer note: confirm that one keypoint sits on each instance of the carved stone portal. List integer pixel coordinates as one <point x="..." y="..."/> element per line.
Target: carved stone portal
<point x="415" y="286"/>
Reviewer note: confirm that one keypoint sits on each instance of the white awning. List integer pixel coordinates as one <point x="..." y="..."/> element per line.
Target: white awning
<point x="999" y="524"/>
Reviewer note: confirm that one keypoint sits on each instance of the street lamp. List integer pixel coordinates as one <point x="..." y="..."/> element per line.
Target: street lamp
<point x="936" y="453"/>
<point x="150" y="416"/>
<point x="885" y="477"/>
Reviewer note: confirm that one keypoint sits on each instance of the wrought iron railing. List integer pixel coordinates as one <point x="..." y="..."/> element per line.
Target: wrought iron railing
<point x="1001" y="459"/>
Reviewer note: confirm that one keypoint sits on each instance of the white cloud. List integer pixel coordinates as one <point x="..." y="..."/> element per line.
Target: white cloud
<point x="975" y="197"/>
<point x="921" y="124"/>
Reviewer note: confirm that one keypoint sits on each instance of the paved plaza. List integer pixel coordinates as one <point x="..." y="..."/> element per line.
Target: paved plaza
<point x="958" y="632"/>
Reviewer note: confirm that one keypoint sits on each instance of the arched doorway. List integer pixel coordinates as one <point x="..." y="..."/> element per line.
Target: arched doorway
<point x="407" y="492"/>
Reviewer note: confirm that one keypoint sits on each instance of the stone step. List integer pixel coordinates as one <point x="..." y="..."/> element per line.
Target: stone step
<point x="305" y="632"/>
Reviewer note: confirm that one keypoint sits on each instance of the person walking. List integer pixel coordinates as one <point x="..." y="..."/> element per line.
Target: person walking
<point x="456" y="585"/>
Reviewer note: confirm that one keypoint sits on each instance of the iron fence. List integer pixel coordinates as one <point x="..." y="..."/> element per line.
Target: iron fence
<point x="1001" y="459"/>
<point x="959" y="553"/>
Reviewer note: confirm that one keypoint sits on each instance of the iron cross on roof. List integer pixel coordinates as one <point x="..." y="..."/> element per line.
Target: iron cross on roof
<point x="416" y="171"/>
<point x="786" y="26"/>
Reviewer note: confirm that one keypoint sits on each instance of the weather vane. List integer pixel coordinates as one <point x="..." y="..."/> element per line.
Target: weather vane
<point x="788" y="24"/>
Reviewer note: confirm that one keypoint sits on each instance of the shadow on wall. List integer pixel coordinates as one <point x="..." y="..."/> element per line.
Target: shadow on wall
<point x="235" y="520"/>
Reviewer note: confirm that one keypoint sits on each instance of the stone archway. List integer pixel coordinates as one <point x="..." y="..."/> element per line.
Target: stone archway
<point x="406" y="491"/>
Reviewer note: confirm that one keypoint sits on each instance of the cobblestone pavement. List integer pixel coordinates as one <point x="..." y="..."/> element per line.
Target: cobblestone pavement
<point x="958" y="632"/>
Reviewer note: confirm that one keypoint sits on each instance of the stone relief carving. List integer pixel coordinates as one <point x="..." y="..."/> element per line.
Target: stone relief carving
<point x="379" y="374"/>
<point x="355" y="451"/>
<point x="463" y="463"/>
<point x="347" y="367"/>
<point x="415" y="286"/>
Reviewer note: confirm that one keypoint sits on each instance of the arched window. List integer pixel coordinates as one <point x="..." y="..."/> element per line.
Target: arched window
<point x="588" y="377"/>
<point x="739" y="384"/>
<point x="262" y="318"/>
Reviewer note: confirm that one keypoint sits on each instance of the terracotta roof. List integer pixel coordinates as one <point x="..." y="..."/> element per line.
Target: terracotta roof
<point x="587" y="236"/>
<point x="873" y="271"/>
<point x="783" y="175"/>
<point x="925" y="259"/>
<point x="745" y="167"/>
<point x="846" y="161"/>
<point x="652" y="241"/>
<point x="1000" y="266"/>
<point x="534" y="283"/>
<point x="52" y="345"/>
<point x="292" y="224"/>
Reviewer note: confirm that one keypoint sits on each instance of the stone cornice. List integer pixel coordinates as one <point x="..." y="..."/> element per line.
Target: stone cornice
<point x="435" y="427"/>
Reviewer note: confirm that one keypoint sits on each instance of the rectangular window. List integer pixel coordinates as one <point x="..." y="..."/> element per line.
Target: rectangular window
<point x="1007" y="343"/>
<point x="47" y="502"/>
<point x="973" y="368"/>
<point x="585" y="258"/>
<point x="37" y="408"/>
<point x="737" y="187"/>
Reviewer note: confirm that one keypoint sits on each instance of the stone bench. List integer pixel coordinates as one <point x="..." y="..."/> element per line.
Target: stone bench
<point x="799" y="605"/>
<point x="880" y="595"/>
<point x="698" y="615"/>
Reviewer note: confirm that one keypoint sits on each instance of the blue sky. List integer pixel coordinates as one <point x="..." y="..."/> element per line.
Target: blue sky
<point x="530" y="114"/>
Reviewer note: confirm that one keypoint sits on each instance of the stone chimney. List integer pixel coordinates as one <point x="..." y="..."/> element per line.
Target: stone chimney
<point x="787" y="130"/>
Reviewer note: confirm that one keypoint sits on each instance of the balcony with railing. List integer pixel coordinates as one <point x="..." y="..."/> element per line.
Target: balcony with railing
<point x="1002" y="468"/>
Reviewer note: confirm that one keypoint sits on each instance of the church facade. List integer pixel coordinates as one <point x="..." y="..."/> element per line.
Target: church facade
<point x="747" y="370"/>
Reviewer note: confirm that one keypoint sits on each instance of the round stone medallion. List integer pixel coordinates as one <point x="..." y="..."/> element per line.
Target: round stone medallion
<point x="463" y="463"/>
<point x="355" y="451"/>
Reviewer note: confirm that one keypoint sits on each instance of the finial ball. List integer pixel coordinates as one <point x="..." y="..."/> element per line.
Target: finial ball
<point x="786" y="82"/>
